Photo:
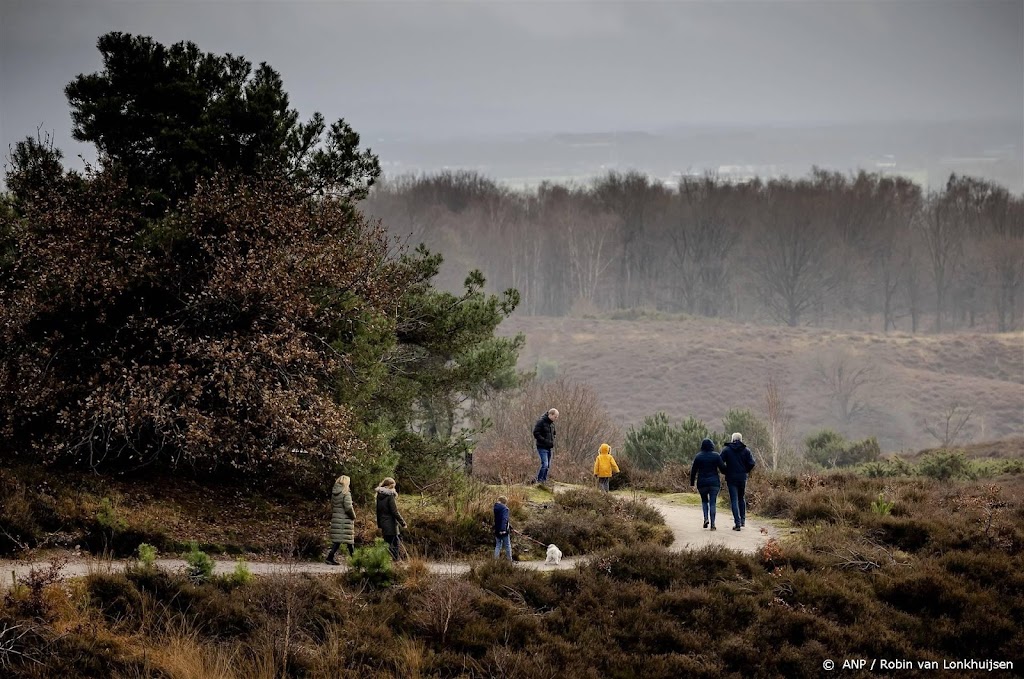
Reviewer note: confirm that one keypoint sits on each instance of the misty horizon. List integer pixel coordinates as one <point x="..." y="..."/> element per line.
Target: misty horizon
<point x="434" y="73"/>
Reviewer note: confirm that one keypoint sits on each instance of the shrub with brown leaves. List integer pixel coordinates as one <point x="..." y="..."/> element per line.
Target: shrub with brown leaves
<point x="209" y="338"/>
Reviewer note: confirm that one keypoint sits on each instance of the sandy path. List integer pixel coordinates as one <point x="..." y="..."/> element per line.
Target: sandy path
<point x="685" y="520"/>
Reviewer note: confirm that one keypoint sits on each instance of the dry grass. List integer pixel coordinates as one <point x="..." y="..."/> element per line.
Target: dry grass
<point x="704" y="367"/>
<point x="931" y="580"/>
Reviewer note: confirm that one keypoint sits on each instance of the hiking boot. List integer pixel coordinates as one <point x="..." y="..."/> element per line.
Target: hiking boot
<point x="713" y="528"/>
<point x="736" y="528"/>
<point x="705" y="523"/>
<point x="743" y="523"/>
<point x="331" y="562"/>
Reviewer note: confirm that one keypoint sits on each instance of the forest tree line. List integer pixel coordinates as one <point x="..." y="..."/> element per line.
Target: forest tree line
<point x="863" y="251"/>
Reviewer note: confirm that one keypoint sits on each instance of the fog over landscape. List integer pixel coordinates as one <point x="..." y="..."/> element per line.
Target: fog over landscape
<point x="657" y="118"/>
<point x="329" y="327"/>
<point x="524" y="91"/>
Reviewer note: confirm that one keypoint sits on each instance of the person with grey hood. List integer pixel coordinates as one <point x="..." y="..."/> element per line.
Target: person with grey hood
<point x="739" y="461"/>
<point x="388" y="516"/>
<point x="343" y="519"/>
<point x="704" y="472"/>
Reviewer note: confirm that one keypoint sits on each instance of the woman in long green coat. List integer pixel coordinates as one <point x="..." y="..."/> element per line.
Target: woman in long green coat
<point x="343" y="519"/>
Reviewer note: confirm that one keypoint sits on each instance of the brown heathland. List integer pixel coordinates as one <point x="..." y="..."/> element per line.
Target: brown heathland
<point x="704" y="367"/>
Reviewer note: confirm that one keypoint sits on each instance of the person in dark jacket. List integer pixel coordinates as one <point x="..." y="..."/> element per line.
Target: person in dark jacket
<point x="343" y="519"/>
<point x="704" y="472"/>
<point x="388" y="517"/>
<point x="738" y="462"/>
<point x="544" y="436"/>
<point x="502" y="528"/>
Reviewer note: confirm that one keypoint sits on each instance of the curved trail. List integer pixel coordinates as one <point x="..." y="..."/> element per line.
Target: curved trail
<point x="685" y="521"/>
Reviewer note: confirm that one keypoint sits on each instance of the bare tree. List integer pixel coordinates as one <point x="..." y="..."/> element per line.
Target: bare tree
<point x="588" y="236"/>
<point x="793" y="252"/>
<point x="949" y="426"/>
<point x="779" y="423"/>
<point x="707" y="226"/>
<point x="898" y="203"/>
<point x="506" y="452"/>
<point x="846" y="377"/>
<point x="943" y="236"/>
<point x="637" y="202"/>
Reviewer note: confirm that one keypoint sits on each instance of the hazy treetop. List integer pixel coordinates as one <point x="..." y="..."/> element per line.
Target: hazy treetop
<point x="437" y="69"/>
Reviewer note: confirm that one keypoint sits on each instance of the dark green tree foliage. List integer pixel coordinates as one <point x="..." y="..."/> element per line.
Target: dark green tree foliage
<point x="831" y="449"/>
<point x="658" y="441"/>
<point x="755" y="432"/>
<point x="417" y="372"/>
<point x="447" y="358"/>
<point x="35" y="164"/>
<point x="211" y="298"/>
<point x="166" y="117"/>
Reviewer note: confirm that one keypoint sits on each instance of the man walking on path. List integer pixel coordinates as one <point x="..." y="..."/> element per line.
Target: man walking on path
<point x="738" y="462"/>
<point x="544" y="435"/>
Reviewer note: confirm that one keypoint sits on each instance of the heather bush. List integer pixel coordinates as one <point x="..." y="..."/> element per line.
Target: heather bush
<point x="583" y="521"/>
<point x="929" y="583"/>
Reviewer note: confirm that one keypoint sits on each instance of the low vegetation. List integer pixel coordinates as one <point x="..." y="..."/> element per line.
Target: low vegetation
<point x="131" y="518"/>
<point x="937" y="576"/>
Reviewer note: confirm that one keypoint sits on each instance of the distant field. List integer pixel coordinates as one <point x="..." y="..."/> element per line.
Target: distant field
<point x="705" y="367"/>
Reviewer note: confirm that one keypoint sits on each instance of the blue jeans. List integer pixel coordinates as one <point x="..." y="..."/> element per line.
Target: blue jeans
<point x="738" y="500"/>
<point x="545" y="464"/>
<point x="708" y="498"/>
<point x="499" y="541"/>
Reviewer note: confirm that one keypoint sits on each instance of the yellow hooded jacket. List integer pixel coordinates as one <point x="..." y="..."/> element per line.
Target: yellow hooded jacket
<point x="604" y="465"/>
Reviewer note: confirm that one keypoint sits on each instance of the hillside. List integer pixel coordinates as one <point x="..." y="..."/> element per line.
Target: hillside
<point x="704" y="367"/>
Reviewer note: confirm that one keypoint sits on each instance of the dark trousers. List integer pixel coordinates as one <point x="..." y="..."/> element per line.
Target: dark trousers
<point x="738" y="500"/>
<point x="336" y="545"/>
<point x="394" y="541"/>
<point x="708" y="500"/>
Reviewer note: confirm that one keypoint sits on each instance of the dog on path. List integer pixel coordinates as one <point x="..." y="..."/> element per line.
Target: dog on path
<point x="554" y="555"/>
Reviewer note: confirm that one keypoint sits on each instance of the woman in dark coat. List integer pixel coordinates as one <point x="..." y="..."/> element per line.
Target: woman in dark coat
<point x="388" y="517"/>
<point x="704" y="471"/>
<point x="343" y="519"/>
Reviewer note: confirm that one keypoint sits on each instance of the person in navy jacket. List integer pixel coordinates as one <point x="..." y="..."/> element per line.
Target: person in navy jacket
<point x="502" y="528"/>
<point x="704" y="471"/>
<point x="738" y="462"/>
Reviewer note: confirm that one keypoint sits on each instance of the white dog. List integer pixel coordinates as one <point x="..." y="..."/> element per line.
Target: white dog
<point x="554" y="555"/>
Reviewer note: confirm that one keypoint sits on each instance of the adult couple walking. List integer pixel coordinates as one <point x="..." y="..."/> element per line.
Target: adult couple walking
<point x="735" y="462"/>
<point x="343" y="517"/>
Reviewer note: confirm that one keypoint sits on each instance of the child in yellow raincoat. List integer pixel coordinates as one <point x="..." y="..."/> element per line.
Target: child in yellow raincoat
<point x="604" y="466"/>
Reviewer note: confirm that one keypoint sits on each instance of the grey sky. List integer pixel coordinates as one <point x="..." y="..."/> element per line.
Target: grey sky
<point x="433" y="69"/>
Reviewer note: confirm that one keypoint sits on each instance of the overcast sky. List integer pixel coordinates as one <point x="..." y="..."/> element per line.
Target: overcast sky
<point x="440" y="69"/>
